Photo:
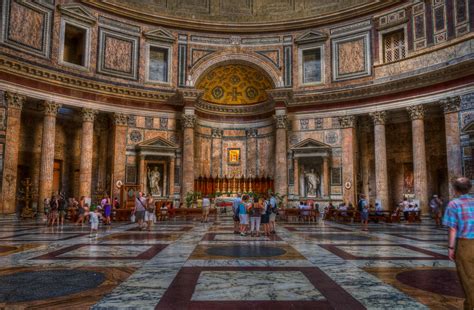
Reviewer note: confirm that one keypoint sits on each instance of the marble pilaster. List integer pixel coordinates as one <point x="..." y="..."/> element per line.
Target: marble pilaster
<point x="251" y="146"/>
<point x="87" y="142"/>
<point x="296" y="185"/>
<point x="171" y="177"/>
<point x="12" y="136"/>
<point x="119" y="151"/>
<point x="451" y="107"/>
<point x="381" y="172"/>
<point x="216" y="154"/>
<point x="103" y="130"/>
<point x="417" y="114"/>
<point x="349" y="164"/>
<point x="47" y="152"/>
<point x="281" y="159"/>
<point x="326" y="174"/>
<point x="188" y="122"/>
<point x="364" y="158"/>
<point x="141" y="172"/>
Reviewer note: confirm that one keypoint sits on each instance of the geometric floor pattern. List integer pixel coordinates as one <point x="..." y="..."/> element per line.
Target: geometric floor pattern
<point x="190" y="265"/>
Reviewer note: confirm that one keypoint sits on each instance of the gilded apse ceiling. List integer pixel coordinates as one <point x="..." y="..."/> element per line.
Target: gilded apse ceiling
<point x="234" y="84"/>
<point x="241" y="15"/>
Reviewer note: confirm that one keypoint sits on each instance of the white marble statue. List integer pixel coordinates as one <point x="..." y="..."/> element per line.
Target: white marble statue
<point x="154" y="178"/>
<point x="312" y="183"/>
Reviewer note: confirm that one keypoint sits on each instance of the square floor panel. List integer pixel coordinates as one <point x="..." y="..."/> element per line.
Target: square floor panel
<point x="254" y="285"/>
<point x="214" y="288"/>
<point x="42" y="237"/>
<point x="145" y="237"/>
<point x="382" y="252"/>
<point x="105" y="252"/>
<point x="424" y="236"/>
<point x="246" y="251"/>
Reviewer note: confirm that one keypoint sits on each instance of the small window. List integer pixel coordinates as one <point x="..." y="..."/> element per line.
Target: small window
<point x="158" y="64"/>
<point x="312" y="66"/>
<point x="74" y="51"/>
<point x="394" y="46"/>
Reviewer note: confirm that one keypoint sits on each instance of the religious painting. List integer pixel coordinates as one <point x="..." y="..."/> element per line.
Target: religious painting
<point x="155" y="176"/>
<point x="408" y="178"/>
<point x="233" y="156"/>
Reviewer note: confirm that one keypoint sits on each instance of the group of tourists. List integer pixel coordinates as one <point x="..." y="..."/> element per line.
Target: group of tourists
<point x="256" y="211"/>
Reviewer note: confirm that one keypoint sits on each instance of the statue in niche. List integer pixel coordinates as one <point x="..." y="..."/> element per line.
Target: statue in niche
<point x="312" y="183"/>
<point x="154" y="178"/>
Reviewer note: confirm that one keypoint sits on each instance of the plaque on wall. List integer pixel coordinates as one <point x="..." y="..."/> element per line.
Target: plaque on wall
<point x="233" y="156"/>
<point x="336" y="176"/>
<point x="131" y="175"/>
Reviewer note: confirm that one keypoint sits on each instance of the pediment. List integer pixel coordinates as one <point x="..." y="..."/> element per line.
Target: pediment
<point x="310" y="36"/>
<point x="157" y="143"/>
<point x="160" y="34"/>
<point x="77" y="11"/>
<point x="310" y="144"/>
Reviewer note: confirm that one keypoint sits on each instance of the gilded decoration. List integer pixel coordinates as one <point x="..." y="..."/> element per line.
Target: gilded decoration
<point x="234" y="84"/>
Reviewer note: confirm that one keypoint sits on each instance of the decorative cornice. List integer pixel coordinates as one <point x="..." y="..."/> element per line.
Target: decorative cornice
<point x="281" y="95"/>
<point x="217" y="133"/>
<point x="51" y="108"/>
<point x="120" y="119"/>
<point x="190" y="94"/>
<point x="451" y="104"/>
<point x="281" y="121"/>
<point x="14" y="100"/>
<point x="253" y="109"/>
<point x="347" y="121"/>
<point x="88" y="115"/>
<point x="189" y="121"/>
<point x="379" y="117"/>
<point x="416" y="112"/>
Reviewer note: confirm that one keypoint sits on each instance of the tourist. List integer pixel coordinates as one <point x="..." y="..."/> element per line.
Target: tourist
<point x="206" y="205"/>
<point x="106" y="205"/>
<point x="94" y="221"/>
<point x="274" y="208"/>
<point x="164" y="211"/>
<point x="435" y="209"/>
<point x="150" y="216"/>
<point x="116" y="203"/>
<point x="81" y="211"/>
<point x="364" y="213"/>
<point x="61" y="210"/>
<point x="235" y="211"/>
<point x="255" y="212"/>
<point x="304" y="211"/>
<point x="459" y="217"/>
<point x="46" y="210"/>
<point x="243" y="214"/>
<point x="139" y="210"/>
<point x="54" y="206"/>
<point x="343" y="209"/>
<point x="406" y="209"/>
<point x="265" y="220"/>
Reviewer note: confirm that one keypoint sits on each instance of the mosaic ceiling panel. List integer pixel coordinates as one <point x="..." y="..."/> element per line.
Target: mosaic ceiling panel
<point x="234" y="84"/>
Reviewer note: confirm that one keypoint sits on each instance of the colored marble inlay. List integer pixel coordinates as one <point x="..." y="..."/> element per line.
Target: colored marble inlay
<point x="253" y="251"/>
<point x="382" y="252"/>
<point x="351" y="57"/>
<point x="118" y="54"/>
<point x="26" y="26"/>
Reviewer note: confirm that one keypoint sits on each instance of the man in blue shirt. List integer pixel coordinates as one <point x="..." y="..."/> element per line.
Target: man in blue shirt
<point x="459" y="218"/>
<point x="235" y="211"/>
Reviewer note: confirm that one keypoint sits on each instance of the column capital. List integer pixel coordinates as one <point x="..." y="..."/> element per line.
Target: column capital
<point x="14" y="100"/>
<point x="281" y="94"/>
<point x="189" y="121"/>
<point x="416" y="112"/>
<point x="281" y="121"/>
<point x="347" y="121"/>
<point x="120" y="119"/>
<point x="51" y="108"/>
<point x="252" y="132"/>
<point x="216" y="133"/>
<point x="379" y="117"/>
<point x="88" y="115"/>
<point x="451" y="104"/>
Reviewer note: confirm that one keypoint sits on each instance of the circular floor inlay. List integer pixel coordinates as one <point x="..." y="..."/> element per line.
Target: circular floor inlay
<point x="443" y="282"/>
<point x="245" y="251"/>
<point x="37" y="285"/>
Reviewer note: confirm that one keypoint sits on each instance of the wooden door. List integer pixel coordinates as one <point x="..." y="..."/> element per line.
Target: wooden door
<point x="57" y="173"/>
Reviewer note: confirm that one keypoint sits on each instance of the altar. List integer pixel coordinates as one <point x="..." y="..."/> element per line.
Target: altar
<point x="210" y="185"/>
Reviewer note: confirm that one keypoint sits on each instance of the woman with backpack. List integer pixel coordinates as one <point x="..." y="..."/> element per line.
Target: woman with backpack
<point x="255" y="217"/>
<point x="265" y="221"/>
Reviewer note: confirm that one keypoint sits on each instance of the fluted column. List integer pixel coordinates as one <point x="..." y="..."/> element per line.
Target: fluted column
<point x="188" y="122"/>
<point x="451" y="107"/>
<point x="417" y="114"/>
<point x="381" y="173"/>
<point x="119" y="151"/>
<point x="281" y="160"/>
<point x="12" y="137"/>
<point x="326" y="173"/>
<point x="349" y="164"/>
<point x="87" y="142"/>
<point x="47" y="152"/>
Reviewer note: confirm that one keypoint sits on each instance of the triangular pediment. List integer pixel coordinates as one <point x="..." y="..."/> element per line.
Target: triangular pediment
<point x="310" y="37"/>
<point x="310" y="144"/>
<point x="160" y="34"/>
<point x="77" y="11"/>
<point x="157" y="143"/>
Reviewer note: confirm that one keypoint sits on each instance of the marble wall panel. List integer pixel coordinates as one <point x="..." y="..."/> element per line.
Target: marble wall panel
<point x="351" y="57"/>
<point x="117" y="54"/>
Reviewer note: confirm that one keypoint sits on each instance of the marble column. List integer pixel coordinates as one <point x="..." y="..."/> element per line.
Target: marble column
<point x="12" y="137"/>
<point x="171" y="177"/>
<point x="47" y="153"/>
<point x="417" y="114"/>
<point x="119" y="154"/>
<point x="349" y="155"/>
<point x="87" y="142"/>
<point x="251" y="145"/>
<point x="364" y="158"/>
<point x="103" y="130"/>
<point x="216" y="153"/>
<point x="188" y="122"/>
<point x="451" y="107"/>
<point x="141" y="172"/>
<point x="296" y="186"/>
<point x="381" y="172"/>
<point x="326" y="177"/>
<point x="281" y="159"/>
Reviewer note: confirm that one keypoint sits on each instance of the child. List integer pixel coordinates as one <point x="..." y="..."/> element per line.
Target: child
<point x="94" y="220"/>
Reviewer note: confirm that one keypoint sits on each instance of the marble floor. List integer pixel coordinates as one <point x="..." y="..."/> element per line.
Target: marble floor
<point x="191" y="265"/>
